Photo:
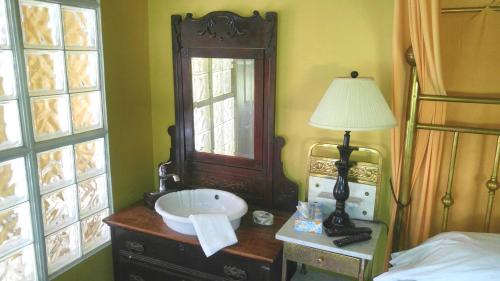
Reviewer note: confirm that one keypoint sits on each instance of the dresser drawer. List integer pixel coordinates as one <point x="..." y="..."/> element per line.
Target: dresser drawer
<point x="130" y="244"/>
<point x="164" y="253"/>
<point x="325" y="260"/>
<point x="137" y="271"/>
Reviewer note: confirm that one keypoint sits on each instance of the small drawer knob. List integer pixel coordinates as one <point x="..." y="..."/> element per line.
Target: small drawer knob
<point x="134" y="277"/>
<point x="134" y="247"/>
<point x="235" y="273"/>
<point x="320" y="260"/>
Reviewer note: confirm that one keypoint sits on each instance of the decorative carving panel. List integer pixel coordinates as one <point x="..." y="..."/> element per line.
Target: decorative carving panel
<point x="220" y="26"/>
<point x="361" y="172"/>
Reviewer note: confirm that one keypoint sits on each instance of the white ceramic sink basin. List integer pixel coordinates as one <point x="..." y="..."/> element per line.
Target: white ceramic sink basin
<point x="176" y="207"/>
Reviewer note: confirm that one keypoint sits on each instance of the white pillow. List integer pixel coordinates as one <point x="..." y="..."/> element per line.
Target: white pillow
<point x="449" y="256"/>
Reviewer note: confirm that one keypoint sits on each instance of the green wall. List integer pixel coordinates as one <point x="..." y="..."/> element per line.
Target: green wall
<point x="317" y="41"/>
<point x="125" y="36"/>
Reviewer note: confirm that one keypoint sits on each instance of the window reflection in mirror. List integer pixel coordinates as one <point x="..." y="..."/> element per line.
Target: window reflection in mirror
<point x="223" y="106"/>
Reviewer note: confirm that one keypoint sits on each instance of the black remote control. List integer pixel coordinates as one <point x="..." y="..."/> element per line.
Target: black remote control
<point x="352" y="239"/>
<point x="344" y="231"/>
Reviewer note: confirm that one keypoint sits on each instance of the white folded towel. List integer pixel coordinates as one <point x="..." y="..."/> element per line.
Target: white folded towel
<point x="214" y="232"/>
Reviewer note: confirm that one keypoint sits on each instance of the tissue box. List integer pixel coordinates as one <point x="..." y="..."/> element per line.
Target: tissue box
<point x="313" y="224"/>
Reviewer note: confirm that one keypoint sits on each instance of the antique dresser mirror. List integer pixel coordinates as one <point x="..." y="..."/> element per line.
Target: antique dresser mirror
<point x="225" y="80"/>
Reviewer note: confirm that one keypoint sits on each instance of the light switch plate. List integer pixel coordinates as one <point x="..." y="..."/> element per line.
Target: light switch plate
<point x="361" y="202"/>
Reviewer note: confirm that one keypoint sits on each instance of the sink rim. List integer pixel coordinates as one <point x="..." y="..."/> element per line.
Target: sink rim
<point x="231" y="216"/>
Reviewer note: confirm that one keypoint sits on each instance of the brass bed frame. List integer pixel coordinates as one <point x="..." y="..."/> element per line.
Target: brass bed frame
<point x="412" y="124"/>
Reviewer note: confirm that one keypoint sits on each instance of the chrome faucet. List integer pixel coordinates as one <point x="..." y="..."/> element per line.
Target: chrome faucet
<point x="163" y="180"/>
<point x="165" y="175"/>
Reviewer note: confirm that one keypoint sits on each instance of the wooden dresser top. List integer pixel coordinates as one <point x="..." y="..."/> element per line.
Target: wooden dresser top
<point x="254" y="241"/>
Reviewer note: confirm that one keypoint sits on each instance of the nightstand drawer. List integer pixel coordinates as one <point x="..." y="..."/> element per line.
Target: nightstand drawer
<point x="325" y="260"/>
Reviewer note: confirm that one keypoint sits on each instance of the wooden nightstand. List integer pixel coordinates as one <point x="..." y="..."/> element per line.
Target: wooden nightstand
<point x="319" y="251"/>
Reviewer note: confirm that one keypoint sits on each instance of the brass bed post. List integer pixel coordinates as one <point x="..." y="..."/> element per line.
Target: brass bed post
<point x="492" y="186"/>
<point x="447" y="199"/>
<point x="405" y="183"/>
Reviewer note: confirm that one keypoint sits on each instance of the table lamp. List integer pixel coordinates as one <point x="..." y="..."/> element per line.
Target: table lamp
<point x="349" y="104"/>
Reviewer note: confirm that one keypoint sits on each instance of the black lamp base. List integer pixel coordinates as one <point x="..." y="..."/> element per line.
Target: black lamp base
<point x="336" y="222"/>
<point x="339" y="219"/>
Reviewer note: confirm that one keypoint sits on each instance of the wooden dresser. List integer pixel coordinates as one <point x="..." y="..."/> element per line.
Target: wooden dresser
<point x="145" y="249"/>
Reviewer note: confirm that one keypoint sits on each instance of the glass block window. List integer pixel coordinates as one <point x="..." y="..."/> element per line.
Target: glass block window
<point x="54" y="166"/>
<point x="213" y="100"/>
<point x="221" y="86"/>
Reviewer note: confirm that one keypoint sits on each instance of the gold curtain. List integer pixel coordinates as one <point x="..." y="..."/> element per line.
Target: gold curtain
<point x="470" y="44"/>
<point x="416" y="24"/>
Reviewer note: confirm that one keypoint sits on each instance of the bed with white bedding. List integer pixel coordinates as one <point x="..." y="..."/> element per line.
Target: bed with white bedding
<point x="448" y="256"/>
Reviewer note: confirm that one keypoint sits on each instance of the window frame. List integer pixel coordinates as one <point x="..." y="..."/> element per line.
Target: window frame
<point x="29" y="148"/>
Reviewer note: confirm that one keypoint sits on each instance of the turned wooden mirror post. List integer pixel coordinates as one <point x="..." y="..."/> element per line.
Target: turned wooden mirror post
<point x="225" y="88"/>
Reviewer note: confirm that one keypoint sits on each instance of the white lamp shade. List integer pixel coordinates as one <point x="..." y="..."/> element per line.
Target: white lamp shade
<point x="353" y="104"/>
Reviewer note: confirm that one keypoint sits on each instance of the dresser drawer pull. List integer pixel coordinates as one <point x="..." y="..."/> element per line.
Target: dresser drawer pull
<point x="136" y="248"/>
<point x="134" y="277"/>
<point x="320" y="259"/>
<point x="235" y="273"/>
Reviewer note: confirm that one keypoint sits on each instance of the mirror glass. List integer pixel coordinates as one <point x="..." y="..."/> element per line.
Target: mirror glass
<point x="223" y="106"/>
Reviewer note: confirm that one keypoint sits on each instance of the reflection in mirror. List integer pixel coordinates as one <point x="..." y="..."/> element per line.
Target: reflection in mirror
<point x="223" y="106"/>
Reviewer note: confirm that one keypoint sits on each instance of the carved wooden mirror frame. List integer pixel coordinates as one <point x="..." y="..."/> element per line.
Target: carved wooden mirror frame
<point x="260" y="181"/>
